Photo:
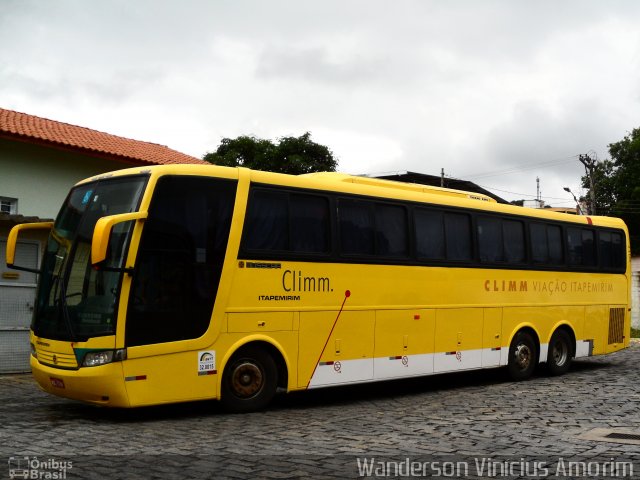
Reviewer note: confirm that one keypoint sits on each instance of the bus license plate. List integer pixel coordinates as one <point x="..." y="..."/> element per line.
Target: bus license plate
<point x="57" y="382"/>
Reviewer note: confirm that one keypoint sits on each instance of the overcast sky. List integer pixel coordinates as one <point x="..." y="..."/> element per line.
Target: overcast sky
<point x="494" y="91"/>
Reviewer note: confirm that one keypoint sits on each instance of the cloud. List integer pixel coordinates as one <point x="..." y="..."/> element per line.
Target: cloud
<point x="414" y="85"/>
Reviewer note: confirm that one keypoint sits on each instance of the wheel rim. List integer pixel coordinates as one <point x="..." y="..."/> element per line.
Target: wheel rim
<point x="523" y="356"/>
<point x="247" y="380"/>
<point x="560" y="353"/>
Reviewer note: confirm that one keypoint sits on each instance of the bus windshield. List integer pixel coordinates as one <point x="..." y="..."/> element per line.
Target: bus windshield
<point x="75" y="301"/>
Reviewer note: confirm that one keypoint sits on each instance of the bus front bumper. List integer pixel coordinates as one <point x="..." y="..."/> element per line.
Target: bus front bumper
<point x="102" y="385"/>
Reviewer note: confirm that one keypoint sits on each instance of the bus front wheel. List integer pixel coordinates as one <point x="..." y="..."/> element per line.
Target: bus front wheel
<point x="249" y="380"/>
<point x="560" y="353"/>
<point x="522" y="356"/>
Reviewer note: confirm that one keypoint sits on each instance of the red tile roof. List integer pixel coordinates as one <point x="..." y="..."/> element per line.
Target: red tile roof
<point x="29" y="128"/>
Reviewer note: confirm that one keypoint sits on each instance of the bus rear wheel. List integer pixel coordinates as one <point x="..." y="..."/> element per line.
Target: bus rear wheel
<point x="522" y="356"/>
<point x="249" y="380"/>
<point x="560" y="353"/>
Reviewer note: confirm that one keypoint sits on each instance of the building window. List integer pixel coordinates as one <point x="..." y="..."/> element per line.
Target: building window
<point x="8" y="205"/>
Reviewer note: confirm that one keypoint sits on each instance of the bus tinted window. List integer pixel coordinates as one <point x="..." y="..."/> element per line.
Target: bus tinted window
<point x="391" y="231"/>
<point x="612" y="254"/>
<point x="546" y="244"/>
<point x="179" y="262"/>
<point x="280" y="221"/>
<point x="581" y="245"/>
<point x="490" y="245"/>
<point x="356" y="227"/>
<point x="429" y="234"/>
<point x="513" y="235"/>
<point x="539" y="244"/>
<point x="267" y="221"/>
<point x="457" y="228"/>
<point x="554" y="237"/>
<point x="310" y="224"/>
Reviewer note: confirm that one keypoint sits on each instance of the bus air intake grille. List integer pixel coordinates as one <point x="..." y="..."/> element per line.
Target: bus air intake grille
<point x="616" y="325"/>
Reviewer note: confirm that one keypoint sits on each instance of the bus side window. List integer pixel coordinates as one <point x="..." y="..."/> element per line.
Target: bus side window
<point x="309" y="224"/>
<point x="554" y="238"/>
<point x="513" y="235"/>
<point x="457" y="227"/>
<point x="612" y="255"/>
<point x="356" y="227"/>
<point x="429" y="234"/>
<point x="490" y="241"/>
<point x="391" y="231"/>
<point x="546" y="244"/>
<point x="581" y="245"/>
<point x="267" y="221"/>
<point x="539" y="243"/>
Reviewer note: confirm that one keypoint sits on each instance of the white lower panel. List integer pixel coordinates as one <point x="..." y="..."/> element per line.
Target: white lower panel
<point x="544" y="351"/>
<point x="454" y="361"/>
<point x="383" y="368"/>
<point x="403" y="366"/>
<point x="504" y="357"/>
<point x="584" y="348"/>
<point x="342" y="371"/>
<point x="491" y="357"/>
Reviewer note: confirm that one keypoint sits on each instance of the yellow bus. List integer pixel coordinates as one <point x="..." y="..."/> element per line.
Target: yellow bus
<point x="181" y="283"/>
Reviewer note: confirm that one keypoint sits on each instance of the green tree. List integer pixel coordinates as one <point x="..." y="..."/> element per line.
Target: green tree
<point x="617" y="184"/>
<point x="293" y="155"/>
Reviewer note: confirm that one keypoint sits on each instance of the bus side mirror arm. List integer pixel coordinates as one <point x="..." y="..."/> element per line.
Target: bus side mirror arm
<point x="102" y="233"/>
<point x="12" y="241"/>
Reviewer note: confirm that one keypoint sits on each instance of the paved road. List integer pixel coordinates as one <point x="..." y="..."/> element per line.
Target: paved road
<point x="433" y="425"/>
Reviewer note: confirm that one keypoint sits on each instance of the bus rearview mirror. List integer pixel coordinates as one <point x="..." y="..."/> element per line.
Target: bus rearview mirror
<point x="12" y="241"/>
<point x="102" y="233"/>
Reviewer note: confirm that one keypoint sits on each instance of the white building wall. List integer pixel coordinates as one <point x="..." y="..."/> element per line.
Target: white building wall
<point x="40" y="177"/>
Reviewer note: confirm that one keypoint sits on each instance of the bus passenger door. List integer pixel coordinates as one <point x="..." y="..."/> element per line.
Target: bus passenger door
<point x="458" y="339"/>
<point x="404" y="343"/>
<point x="344" y="355"/>
<point x="173" y="289"/>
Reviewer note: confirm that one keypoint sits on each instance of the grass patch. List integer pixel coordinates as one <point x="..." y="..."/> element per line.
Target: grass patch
<point x="635" y="332"/>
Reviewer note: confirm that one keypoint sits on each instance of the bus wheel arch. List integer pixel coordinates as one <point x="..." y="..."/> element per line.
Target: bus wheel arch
<point x="251" y="377"/>
<point x="524" y="352"/>
<point x="562" y="349"/>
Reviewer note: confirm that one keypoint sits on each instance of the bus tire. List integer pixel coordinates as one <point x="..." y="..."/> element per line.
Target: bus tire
<point x="560" y="353"/>
<point x="249" y="380"/>
<point x="523" y="356"/>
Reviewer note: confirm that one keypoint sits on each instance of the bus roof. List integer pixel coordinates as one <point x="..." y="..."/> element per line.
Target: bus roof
<point x="367" y="186"/>
<point x="412" y="187"/>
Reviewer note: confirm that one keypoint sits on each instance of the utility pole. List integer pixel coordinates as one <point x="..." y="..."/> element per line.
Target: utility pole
<point x="589" y="166"/>
<point x="442" y="177"/>
<point x="538" y="201"/>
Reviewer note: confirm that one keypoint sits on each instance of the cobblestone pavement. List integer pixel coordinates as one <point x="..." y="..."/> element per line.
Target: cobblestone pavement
<point x="427" y="424"/>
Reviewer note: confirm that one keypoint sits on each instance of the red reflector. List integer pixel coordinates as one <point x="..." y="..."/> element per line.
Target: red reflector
<point x="589" y="221"/>
<point x="56" y="382"/>
<point x="134" y="378"/>
<point x="416" y="317"/>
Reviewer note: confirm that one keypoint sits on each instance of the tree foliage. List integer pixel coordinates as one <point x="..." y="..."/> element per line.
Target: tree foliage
<point x="617" y="184"/>
<point x="293" y="155"/>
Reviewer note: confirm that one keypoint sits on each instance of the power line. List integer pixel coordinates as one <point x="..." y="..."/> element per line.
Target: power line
<point x="524" y="194"/>
<point x="523" y="167"/>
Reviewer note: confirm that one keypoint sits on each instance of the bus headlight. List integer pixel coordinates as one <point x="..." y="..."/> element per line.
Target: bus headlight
<point x="94" y="359"/>
<point x="34" y="353"/>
